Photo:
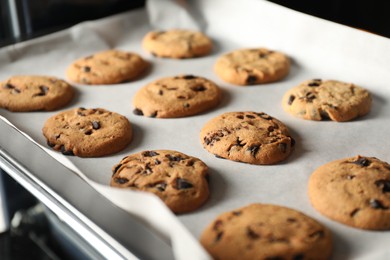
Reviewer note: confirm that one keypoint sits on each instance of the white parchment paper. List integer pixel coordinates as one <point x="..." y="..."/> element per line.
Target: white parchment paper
<point x="318" y="49"/>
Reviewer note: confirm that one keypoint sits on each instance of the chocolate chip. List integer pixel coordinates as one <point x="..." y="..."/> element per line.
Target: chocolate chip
<point x="324" y="115"/>
<point x="376" y="204"/>
<point x="88" y="132"/>
<point x="207" y="177"/>
<point x="309" y="97"/>
<point x="254" y="149"/>
<point x="350" y="177"/>
<point x="240" y="117"/>
<point x="239" y="142"/>
<point x="154" y="114"/>
<point x="66" y="152"/>
<point x="384" y="185"/>
<point x="173" y="158"/>
<point x="43" y="90"/>
<point x="156" y="162"/>
<point x="219" y="236"/>
<point x="50" y="144"/>
<point x="186" y="105"/>
<point x="86" y="69"/>
<point x="314" y="84"/>
<point x="251" y="79"/>
<point x="121" y="180"/>
<point x="217" y="225"/>
<point x="198" y="88"/>
<point x="147" y="169"/>
<point x="291" y="99"/>
<point x="15" y="91"/>
<point x="251" y="234"/>
<point x="236" y="213"/>
<point x="9" y="86"/>
<point x="189" y="77"/>
<point x="95" y="125"/>
<point x="282" y="147"/>
<point x="264" y="116"/>
<point x="138" y="112"/>
<point x="161" y="186"/>
<point x="292" y="141"/>
<point x="291" y="220"/>
<point x="116" y="168"/>
<point x="160" y="92"/>
<point x="82" y="108"/>
<point x="149" y="153"/>
<point x="182" y="184"/>
<point x="362" y="162"/>
<point x="250" y="116"/>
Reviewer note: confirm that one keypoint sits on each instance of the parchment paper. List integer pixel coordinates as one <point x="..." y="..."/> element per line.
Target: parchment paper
<point x="318" y="49"/>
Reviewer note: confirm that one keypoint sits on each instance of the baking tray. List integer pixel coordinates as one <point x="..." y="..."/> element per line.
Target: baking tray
<point x="317" y="48"/>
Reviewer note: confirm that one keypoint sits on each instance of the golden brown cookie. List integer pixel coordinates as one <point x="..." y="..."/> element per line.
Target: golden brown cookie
<point x="251" y="137"/>
<point x="178" y="179"/>
<point x="176" y="97"/>
<point x="252" y="66"/>
<point x="177" y="44"/>
<point x="107" y="67"/>
<point x="327" y="99"/>
<point x="354" y="191"/>
<point x="264" y="232"/>
<point x="33" y="93"/>
<point x="87" y="132"/>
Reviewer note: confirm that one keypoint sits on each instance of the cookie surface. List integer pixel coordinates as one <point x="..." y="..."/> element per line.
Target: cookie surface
<point x="327" y="99"/>
<point x="251" y="137"/>
<point x="178" y="179"/>
<point x="354" y="191"/>
<point x="264" y="231"/>
<point x="107" y="67"/>
<point x="177" y="43"/>
<point x="176" y="97"/>
<point x="33" y="93"/>
<point x="87" y="132"/>
<point x="252" y="66"/>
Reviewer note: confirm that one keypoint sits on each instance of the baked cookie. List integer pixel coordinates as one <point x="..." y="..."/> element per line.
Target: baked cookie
<point x="327" y="99"/>
<point x="178" y="179"/>
<point x="176" y="97"/>
<point x="354" y="191"/>
<point x="87" y="132"/>
<point x="264" y="231"/>
<point x="251" y="137"/>
<point x="177" y="44"/>
<point x="34" y="93"/>
<point x="107" y="67"/>
<point x="252" y="66"/>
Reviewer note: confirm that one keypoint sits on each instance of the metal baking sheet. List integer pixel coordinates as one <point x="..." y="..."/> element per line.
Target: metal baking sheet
<point x="317" y="48"/>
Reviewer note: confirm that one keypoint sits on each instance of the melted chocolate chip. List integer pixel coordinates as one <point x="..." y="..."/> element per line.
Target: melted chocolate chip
<point x="154" y="114"/>
<point x="291" y="220"/>
<point x="251" y="234"/>
<point x="314" y="84"/>
<point x="292" y="141"/>
<point x="217" y="225"/>
<point x="362" y="162"/>
<point x="250" y="116"/>
<point x="189" y="77"/>
<point x="43" y="91"/>
<point x="282" y="147"/>
<point x="50" y="144"/>
<point x="236" y="213"/>
<point x="121" y="180"/>
<point x="254" y="149"/>
<point x="138" y="112"/>
<point x="149" y="153"/>
<point x="354" y="212"/>
<point x="9" y="86"/>
<point x="199" y="88"/>
<point x="251" y="79"/>
<point x="182" y="184"/>
<point x="156" y="162"/>
<point x="309" y="97"/>
<point x="161" y="186"/>
<point x="160" y="92"/>
<point x="174" y="158"/>
<point x="350" y="177"/>
<point x="186" y="105"/>
<point x="291" y="99"/>
<point x="384" y="185"/>
<point x="66" y="152"/>
<point x="219" y="236"/>
<point x="88" y="132"/>
<point x="377" y="204"/>
<point x="95" y="125"/>
<point x="116" y="168"/>
<point x="240" y="117"/>
<point x="86" y="69"/>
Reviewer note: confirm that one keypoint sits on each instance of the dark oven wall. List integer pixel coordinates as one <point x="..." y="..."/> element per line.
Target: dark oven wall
<point x="25" y="19"/>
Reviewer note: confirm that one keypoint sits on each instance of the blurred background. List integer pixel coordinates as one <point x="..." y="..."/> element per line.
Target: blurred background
<point x="25" y="19"/>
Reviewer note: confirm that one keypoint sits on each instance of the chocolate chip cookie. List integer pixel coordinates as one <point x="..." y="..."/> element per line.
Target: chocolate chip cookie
<point x="34" y="93"/>
<point x="263" y="231"/>
<point x="251" y="137"/>
<point x="252" y="66"/>
<point x="176" y="97"/>
<point x="178" y="179"/>
<point x="87" y="132"/>
<point x="107" y="67"/>
<point x="327" y="99"/>
<point x="354" y="191"/>
<point x="177" y="44"/>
